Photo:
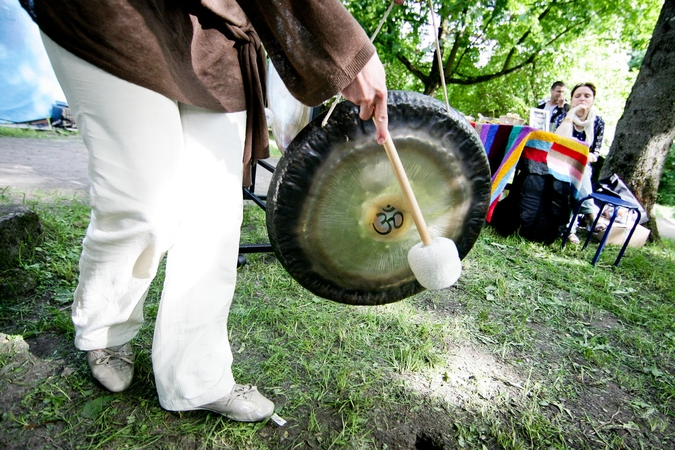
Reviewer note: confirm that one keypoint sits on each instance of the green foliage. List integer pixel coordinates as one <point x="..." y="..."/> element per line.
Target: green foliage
<point x="636" y="58"/>
<point x="485" y="40"/>
<point x="53" y="266"/>
<point x="666" y="195"/>
<point x="503" y="56"/>
<point x="22" y="132"/>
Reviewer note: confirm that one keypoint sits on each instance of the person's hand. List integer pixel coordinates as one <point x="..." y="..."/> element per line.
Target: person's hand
<point x="369" y="92"/>
<point x="561" y="101"/>
<point x="592" y="157"/>
<point x="580" y="110"/>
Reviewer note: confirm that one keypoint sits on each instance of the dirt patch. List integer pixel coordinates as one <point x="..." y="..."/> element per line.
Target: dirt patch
<point x="59" y="166"/>
<point x="418" y="430"/>
<point x="35" y="166"/>
<point x="18" y="378"/>
<point x="469" y="379"/>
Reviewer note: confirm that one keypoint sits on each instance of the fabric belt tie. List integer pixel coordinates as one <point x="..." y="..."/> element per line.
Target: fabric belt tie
<point x="254" y="72"/>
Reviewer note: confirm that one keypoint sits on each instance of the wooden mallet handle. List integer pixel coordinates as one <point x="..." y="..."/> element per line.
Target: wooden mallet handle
<point x="408" y="193"/>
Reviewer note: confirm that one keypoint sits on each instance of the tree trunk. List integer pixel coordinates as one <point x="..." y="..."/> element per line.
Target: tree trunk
<point x="646" y="129"/>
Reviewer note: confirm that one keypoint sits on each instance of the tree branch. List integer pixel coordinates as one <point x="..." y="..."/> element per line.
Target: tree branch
<point x="455" y="48"/>
<point x="466" y="80"/>
<point x="412" y="69"/>
<point x="468" y="47"/>
<point x="522" y="39"/>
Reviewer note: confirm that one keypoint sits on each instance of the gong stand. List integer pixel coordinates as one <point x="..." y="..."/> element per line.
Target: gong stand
<point x="337" y="247"/>
<point x="336" y="217"/>
<point x="260" y="200"/>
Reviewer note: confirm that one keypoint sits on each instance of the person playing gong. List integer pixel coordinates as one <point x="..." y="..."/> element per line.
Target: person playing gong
<point x="169" y="100"/>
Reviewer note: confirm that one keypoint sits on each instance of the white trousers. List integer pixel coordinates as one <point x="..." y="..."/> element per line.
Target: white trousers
<point x="165" y="179"/>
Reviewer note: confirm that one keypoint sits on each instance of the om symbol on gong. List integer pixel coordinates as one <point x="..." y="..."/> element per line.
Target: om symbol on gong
<point x="388" y="220"/>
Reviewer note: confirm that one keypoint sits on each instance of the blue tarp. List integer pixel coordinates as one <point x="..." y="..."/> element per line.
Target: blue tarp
<point x="28" y="86"/>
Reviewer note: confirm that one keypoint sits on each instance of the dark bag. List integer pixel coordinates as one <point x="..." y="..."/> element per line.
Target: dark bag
<point x="538" y="206"/>
<point x="615" y="187"/>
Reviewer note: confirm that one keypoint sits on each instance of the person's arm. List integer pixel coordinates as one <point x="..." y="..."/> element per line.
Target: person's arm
<point x="319" y="49"/>
<point x="565" y="124"/>
<point x="561" y="102"/>
<point x="369" y="91"/>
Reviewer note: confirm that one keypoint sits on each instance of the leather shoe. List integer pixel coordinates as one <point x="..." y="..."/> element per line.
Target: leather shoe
<point x="243" y="404"/>
<point x="113" y="367"/>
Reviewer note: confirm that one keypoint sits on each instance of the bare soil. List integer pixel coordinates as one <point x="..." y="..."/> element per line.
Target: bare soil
<point x="35" y="166"/>
<point x="59" y="165"/>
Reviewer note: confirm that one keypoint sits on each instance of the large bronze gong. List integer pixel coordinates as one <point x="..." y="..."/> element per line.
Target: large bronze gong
<point x="336" y="218"/>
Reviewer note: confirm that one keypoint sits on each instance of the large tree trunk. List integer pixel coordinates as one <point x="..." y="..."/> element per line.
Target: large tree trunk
<point x="646" y="129"/>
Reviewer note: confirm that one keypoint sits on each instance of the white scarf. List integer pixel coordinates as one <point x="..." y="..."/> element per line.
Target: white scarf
<point x="588" y="125"/>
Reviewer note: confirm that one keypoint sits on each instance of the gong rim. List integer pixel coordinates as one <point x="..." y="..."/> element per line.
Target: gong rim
<point x="317" y="152"/>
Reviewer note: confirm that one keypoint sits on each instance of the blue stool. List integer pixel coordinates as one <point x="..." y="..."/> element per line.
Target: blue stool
<point x="603" y="200"/>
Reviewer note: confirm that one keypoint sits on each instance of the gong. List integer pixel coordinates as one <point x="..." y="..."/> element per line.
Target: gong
<point x="336" y="218"/>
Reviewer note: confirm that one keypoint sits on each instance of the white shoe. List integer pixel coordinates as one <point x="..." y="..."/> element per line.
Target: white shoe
<point x="113" y="367"/>
<point x="243" y="404"/>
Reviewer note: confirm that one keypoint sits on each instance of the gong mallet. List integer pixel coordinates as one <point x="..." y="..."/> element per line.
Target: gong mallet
<point x="434" y="262"/>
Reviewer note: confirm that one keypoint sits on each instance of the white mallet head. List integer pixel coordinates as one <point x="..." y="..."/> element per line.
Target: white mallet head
<point x="437" y="265"/>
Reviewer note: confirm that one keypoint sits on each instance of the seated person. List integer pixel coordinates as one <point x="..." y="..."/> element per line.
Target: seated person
<point x="583" y="123"/>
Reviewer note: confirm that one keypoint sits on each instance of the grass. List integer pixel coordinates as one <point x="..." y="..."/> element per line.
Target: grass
<point x="533" y="348"/>
<point x="10" y="131"/>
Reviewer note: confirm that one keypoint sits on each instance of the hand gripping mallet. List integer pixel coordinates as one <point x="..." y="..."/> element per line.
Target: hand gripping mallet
<point x="435" y="263"/>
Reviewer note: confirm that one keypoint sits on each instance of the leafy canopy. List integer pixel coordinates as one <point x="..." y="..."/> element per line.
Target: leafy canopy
<point x="502" y="55"/>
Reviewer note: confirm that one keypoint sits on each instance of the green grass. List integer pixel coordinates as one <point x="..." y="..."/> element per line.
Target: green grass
<point x="274" y="149"/>
<point x="534" y="348"/>
<point x="666" y="194"/>
<point x="6" y="131"/>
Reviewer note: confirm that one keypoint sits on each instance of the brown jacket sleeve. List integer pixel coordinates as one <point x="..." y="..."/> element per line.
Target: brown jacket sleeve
<point x="317" y="47"/>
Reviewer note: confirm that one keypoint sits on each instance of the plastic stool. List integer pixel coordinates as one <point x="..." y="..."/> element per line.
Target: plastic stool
<point x="604" y="199"/>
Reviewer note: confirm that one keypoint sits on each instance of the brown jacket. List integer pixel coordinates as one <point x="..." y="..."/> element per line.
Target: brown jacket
<point x="207" y="53"/>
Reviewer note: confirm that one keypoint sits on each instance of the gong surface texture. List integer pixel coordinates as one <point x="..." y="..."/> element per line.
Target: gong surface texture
<point x="336" y="217"/>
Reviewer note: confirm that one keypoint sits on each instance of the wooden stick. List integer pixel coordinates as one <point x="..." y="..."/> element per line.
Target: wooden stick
<point x="439" y="58"/>
<point x="408" y="193"/>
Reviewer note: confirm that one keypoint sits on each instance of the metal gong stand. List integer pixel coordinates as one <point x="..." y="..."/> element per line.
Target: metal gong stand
<point x="260" y="200"/>
<point x="249" y="194"/>
<point x="335" y="216"/>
